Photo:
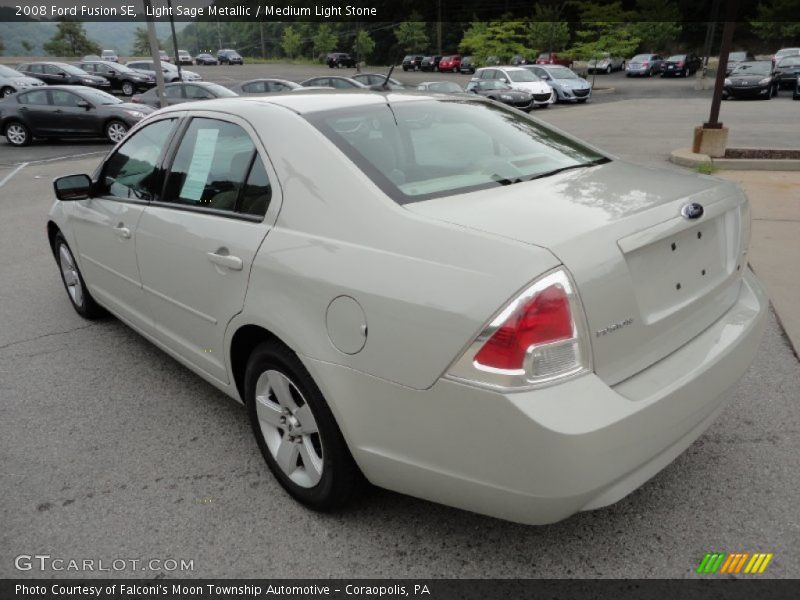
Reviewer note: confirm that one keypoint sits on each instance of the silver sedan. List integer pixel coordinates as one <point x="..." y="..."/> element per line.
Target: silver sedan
<point x="436" y="294"/>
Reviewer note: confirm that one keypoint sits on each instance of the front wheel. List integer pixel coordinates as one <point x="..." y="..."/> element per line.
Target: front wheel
<point x="296" y="431"/>
<point x="17" y="134"/>
<point x="6" y="92"/>
<point x="127" y="88"/>
<point x="79" y="296"/>
<point x="608" y="70"/>
<point x="116" y="131"/>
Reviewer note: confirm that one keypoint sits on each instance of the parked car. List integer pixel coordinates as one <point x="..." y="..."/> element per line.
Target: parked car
<point x="205" y="59"/>
<point x="787" y="71"/>
<point x="92" y="57"/>
<point x="468" y="65"/>
<point x="440" y="87"/>
<point x="264" y="86"/>
<point x="783" y="52"/>
<point x="682" y="65"/>
<point x="645" y="65"/>
<point x="606" y="64"/>
<point x="12" y="81"/>
<point x="796" y="93"/>
<point x="518" y="59"/>
<point x="552" y="58"/>
<point x="184" y="58"/>
<point x="735" y="58"/>
<point x="751" y="79"/>
<point x="494" y="89"/>
<point x="565" y="82"/>
<point x="340" y="59"/>
<point x="169" y="70"/>
<point x="164" y="57"/>
<point x="109" y="55"/>
<point x="226" y="56"/>
<point x="412" y="62"/>
<point x="451" y="63"/>
<point x="378" y="79"/>
<point x="66" y="111"/>
<point x="520" y="78"/>
<point x="180" y="92"/>
<point x="430" y="63"/>
<point x="514" y="342"/>
<point x="122" y="78"/>
<point x="341" y="83"/>
<point x="58" y="73"/>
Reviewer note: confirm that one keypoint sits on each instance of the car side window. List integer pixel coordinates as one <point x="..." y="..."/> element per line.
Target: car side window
<point x="131" y="171"/>
<point x="197" y="93"/>
<point x="254" y="88"/>
<point x="257" y="192"/>
<point x="64" y="98"/>
<point x="174" y="91"/>
<point x="38" y="98"/>
<point x="52" y="70"/>
<point x="211" y="164"/>
<point x="36" y="69"/>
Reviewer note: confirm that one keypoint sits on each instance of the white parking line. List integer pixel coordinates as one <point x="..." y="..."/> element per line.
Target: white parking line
<point x="14" y="172"/>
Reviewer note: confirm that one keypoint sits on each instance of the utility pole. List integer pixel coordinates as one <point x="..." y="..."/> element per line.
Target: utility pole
<point x="722" y="67"/>
<point x="263" y="45"/>
<point x="439" y="27"/>
<point x="151" y="35"/>
<point x="174" y="41"/>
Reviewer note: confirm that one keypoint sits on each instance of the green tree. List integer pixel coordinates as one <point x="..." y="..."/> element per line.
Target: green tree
<point x="291" y="42"/>
<point x="546" y="32"/>
<point x="141" y="42"/>
<point x="324" y="40"/>
<point x="777" y="22"/>
<point x="657" y="25"/>
<point x="363" y="45"/>
<point x="70" y="40"/>
<point x="503" y="39"/>
<point x="27" y="46"/>
<point x="412" y="35"/>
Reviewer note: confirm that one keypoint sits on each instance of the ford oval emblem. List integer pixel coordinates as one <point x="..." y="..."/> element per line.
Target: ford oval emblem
<point x="693" y="210"/>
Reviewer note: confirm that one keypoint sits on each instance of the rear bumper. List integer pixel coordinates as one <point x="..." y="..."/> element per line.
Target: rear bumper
<point x="539" y="456"/>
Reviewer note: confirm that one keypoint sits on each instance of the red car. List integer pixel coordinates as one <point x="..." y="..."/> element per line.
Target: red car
<point x="450" y="63"/>
<point x="551" y="58"/>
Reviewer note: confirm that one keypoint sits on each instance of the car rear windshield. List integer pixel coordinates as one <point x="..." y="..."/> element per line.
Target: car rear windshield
<point x="99" y="97"/>
<point x="676" y="57"/>
<point x="433" y="148"/>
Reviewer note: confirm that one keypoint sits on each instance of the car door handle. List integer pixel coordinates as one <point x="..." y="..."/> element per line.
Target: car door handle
<point x="234" y="263"/>
<point x="122" y="231"/>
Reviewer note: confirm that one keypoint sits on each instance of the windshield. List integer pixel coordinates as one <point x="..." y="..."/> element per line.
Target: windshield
<point x="73" y="70"/>
<point x="753" y="68"/>
<point x="491" y="84"/>
<point x="641" y="58"/>
<point x="9" y="72"/>
<point x="737" y="56"/>
<point x="790" y="61"/>
<point x="562" y="73"/>
<point x="431" y="148"/>
<point x="523" y="75"/>
<point x="99" y="97"/>
<point x="787" y="51"/>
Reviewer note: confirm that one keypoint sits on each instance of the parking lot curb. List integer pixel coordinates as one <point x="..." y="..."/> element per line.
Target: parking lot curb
<point x="686" y="158"/>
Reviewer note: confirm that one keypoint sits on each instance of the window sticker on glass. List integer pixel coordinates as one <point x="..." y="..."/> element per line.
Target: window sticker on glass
<point x="204" y="147"/>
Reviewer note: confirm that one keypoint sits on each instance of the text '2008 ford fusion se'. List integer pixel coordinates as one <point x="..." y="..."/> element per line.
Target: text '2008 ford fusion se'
<point x="439" y="295"/>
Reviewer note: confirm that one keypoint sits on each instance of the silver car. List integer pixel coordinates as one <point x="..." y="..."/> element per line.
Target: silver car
<point x="12" y="81"/>
<point x="606" y="64"/>
<point x="567" y="85"/>
<point x="644" y="65"/>
<point x="440" y="295"/>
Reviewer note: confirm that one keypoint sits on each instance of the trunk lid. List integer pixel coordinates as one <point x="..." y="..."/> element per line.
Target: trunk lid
<point x="649" y="278"/>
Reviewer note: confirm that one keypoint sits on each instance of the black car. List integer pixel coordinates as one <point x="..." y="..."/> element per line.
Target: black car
<point x="787" y="71"/>
<point x="430" y="63"/>
<point x="752" y="79"/>
<point x="226" y="56"/>
<point x="468" y="65"/>
<point x="681" y="65"/>
<point x="796" y="93"/>
<point x="412" y="62"/>
<point x="178" y="92"/>
<point x="736" y="58"/>
<point x="205" y="59"/>
<point x="66" y="111"/>
<point x="501" y="92"/>
<point x="340" y="59"/>
<point x="122" y="78"/>
<point x="264" y="86"/>
<point x="58" y="73"/>
<point x="340" y="83"/>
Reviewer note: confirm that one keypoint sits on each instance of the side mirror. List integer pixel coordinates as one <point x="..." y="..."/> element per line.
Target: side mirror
<point x="72" y="187"/>
<point x="84" y="104"/>
<point x="504" y="80"/>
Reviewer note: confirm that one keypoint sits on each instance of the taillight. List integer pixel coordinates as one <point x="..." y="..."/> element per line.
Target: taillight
<point x="680" y="63"/>
<point x="537" y="339"/>
<point x="645" y="64"/>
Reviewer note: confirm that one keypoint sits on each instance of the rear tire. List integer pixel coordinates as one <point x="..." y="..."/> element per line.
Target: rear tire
<point x="78" y="294"/>
<point x="17" y="134"/>
<point x="296" y="431"/>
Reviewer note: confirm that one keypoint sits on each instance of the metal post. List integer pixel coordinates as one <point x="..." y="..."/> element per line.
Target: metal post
<point x="151" y="34"/>
<point x="439" y="28"/>
<point x="724" y="50"/>
<point x="174" y="41"/>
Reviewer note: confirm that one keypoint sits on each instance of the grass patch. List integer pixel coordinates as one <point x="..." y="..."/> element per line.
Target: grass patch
<point x="707" y="168"/>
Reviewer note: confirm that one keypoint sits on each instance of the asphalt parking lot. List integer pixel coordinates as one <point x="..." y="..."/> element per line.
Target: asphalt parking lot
<point x="110" y="449"/>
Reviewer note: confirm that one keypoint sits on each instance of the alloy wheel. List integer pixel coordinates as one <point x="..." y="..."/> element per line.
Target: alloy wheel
<point x="6" y="92"/>
<point x="17" y="134"/>
<point x="71" y="278"/>
<point x="116" y="131"/>
<point x="127" y="89"/>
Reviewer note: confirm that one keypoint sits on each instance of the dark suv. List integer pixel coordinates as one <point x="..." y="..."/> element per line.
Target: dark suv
<point x="430" y="63"/>
<point x="340" y="59"/>
<point x="412" y="62"/>
<point x="122" y="78"/>
<point x="229" y="57"/>
<point x="681" y="65"/>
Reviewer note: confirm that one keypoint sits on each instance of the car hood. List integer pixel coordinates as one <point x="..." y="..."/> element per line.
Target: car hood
<point x="613" y="225"/>
<point x="515" y="94"/>
<point x="534" y="87"/>
<point x="746" y="78"/>
<point x="22" y="79"/>
<point x="572" y="84"/>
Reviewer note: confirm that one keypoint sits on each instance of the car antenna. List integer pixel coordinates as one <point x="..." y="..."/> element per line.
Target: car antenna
<point x="385" y="84"/>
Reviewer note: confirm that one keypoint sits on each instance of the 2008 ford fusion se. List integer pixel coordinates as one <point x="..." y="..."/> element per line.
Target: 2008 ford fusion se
<point x="438" y="295"/>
